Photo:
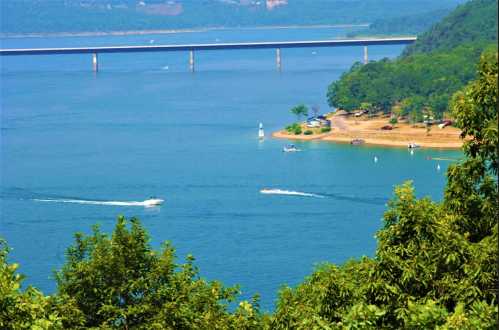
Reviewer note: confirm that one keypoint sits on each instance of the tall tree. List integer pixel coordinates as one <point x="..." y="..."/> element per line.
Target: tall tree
<point x="300" y="111"/>
<point x="471" y="192"/>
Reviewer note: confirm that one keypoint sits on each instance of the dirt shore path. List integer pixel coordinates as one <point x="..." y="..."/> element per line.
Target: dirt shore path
<point x="347" y="128"/>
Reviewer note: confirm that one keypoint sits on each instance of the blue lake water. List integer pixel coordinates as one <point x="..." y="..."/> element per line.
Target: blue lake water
<point x="145" y="126"/>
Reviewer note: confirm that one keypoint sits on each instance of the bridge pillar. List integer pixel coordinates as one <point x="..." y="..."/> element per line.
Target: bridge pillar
<point x="95" y="62"/>
<point x="191" y="60"/>
<point x="278" y="58"/>
<point x="366" y="58"/>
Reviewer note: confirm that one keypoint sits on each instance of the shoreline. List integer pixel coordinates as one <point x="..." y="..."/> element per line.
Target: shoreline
<point x="171" y="31"/>
<point x="344" y="130"/>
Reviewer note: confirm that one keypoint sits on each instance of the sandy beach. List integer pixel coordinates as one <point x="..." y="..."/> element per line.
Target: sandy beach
<point x="346" y="128"/>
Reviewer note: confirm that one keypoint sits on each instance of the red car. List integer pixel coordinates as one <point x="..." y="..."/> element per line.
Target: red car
<point x="387" y="127"/>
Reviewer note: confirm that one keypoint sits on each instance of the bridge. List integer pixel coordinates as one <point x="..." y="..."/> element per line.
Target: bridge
<point x="191" y="48"/>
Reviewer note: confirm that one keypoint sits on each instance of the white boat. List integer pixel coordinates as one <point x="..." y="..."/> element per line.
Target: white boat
<point x="261" y="133"/>
<point x="153" y="202"/>
<point x="290" y="148"/>
<point x="413" y="145"/>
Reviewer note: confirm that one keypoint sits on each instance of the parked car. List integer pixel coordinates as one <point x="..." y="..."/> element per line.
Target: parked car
<point x="387" y="127"/>
<point x="445" y="123"/>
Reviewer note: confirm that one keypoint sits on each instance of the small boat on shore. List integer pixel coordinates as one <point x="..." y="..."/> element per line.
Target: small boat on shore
<point x="290" y="148"/>
<point x="357" y="142"/>
<point x="413" y="145"/>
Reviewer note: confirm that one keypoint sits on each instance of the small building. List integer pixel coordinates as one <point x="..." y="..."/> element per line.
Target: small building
<point x="319" y="121"/>
<point x="313" y="122"/>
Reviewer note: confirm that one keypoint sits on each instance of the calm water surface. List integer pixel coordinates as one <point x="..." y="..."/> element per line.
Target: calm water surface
<point x="145" y="126"/>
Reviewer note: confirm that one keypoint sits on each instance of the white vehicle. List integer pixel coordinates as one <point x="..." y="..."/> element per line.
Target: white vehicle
<point x="413" y="145"/>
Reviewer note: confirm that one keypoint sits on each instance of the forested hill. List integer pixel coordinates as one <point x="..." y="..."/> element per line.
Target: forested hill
<point x="407" y="24"/>
<point x="472" y="22"/>
<point x="442" y="61"/>
<point x="54" y="16"/>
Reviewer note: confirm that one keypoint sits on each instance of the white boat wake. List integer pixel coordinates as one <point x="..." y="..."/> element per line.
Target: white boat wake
<point x="289" y="192"/>
<point x="147" y="203"/>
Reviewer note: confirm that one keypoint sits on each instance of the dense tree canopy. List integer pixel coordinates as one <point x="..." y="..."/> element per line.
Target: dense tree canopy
<point x="441" y="62"/>
<point x="416" y="81"/>
<point x="474" y="21"/>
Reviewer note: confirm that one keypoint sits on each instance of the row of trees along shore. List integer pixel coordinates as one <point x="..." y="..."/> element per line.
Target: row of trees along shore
<point x="435" y="266"/>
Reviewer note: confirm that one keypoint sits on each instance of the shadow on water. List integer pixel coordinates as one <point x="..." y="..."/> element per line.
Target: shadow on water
<point x="356" y="199"/>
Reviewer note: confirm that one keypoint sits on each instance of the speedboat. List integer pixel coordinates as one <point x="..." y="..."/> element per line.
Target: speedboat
<point x="290" y="148"/>
<point x="413" y="145"/>
<point x="153" y="202"/>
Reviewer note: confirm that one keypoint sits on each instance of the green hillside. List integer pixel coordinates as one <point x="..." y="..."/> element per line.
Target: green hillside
<point x="412" y="24"/>
<point x="474" y="21"/>
<point x="441" y="62"/>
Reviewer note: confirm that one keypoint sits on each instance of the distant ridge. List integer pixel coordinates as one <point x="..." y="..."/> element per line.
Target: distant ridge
<point x="475" y="21"/>
<point x="30" y="16"/>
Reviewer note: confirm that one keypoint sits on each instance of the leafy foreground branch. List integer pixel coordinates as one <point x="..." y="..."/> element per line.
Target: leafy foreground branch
<point x="435" y="264"/>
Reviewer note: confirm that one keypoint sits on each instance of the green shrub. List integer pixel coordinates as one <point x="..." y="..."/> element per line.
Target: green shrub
<point x="297" y="130"/>
<point x="292" y="128"/>
<point x="393" y="121"/>
<point x="308" y="132"/>
<point x="325" y="129"/>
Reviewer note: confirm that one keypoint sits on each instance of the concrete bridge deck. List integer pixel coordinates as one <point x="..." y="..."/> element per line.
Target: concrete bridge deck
<point x="206" y="47"/>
